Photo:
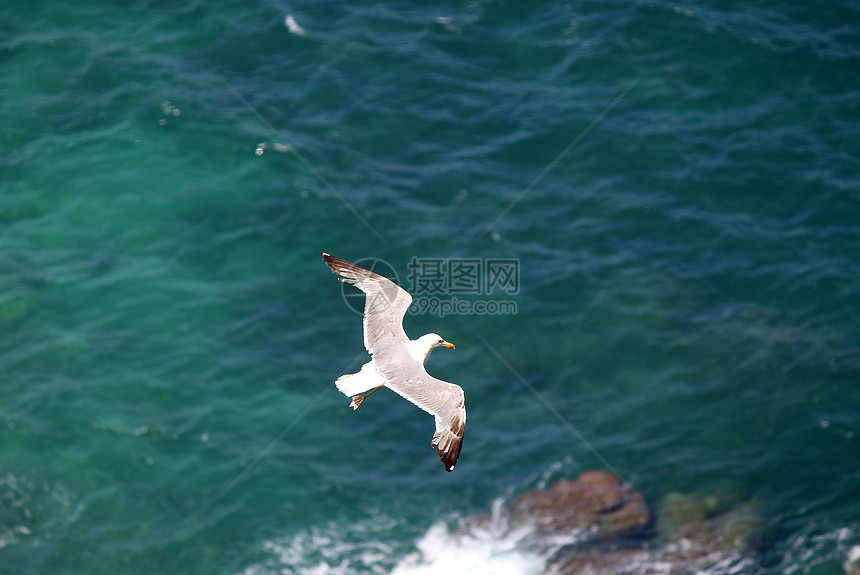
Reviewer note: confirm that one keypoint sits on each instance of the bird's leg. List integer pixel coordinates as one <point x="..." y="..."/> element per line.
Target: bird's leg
<point x="356" y="401"/>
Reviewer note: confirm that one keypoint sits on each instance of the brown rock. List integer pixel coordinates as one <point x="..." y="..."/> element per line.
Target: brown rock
<point x="597" y="501"/>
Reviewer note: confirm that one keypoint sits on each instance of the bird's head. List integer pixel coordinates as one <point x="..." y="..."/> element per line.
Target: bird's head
<point x="437" y="341"/>
<point x="427" y="343"/>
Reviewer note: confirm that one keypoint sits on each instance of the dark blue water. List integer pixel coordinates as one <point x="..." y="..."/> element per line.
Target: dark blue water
<point x="677" y="186"/>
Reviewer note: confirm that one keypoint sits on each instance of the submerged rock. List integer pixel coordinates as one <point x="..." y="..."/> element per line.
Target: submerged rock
<point x="677" y="510"/>
<point x="715" y="520"/>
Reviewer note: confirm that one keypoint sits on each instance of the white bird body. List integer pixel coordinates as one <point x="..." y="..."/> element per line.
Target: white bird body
<point x="398" y="362"/>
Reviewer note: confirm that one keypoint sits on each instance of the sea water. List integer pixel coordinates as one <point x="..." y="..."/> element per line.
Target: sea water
<point x="673" y="187"/>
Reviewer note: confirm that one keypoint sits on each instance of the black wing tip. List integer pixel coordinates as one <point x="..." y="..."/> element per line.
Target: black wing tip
<point x="449" y="459"/>
<point x="348" y="271"/>
<point x="449" y="453"/>
<point x="332" y="261"/>
<point x="337" y="265"/>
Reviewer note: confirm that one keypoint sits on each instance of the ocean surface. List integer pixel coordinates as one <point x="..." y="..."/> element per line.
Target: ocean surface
<point x="639" y="222"/>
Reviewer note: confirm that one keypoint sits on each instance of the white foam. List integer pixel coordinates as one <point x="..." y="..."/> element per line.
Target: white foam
<point x="852" y="560"/>
<point x="488" y="547"/>
<point x="293" y="26"/>
<point x="472" y="552"/>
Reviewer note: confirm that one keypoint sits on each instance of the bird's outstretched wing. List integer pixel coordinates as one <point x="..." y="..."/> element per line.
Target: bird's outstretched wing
<point x="384" y="307"/>
<point x="444" y="401"/>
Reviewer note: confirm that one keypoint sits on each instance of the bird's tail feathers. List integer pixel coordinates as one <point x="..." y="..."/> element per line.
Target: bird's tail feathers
<point x="356" y="383"/>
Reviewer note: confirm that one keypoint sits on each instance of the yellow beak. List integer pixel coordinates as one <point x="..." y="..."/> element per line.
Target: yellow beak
<point x="448" y="344"/>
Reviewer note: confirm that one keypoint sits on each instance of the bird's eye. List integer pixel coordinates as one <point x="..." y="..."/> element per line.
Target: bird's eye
<point x="441" y="341"/>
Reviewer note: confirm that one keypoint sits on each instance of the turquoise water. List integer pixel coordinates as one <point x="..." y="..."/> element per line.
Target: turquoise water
<point x="678" y="184"/>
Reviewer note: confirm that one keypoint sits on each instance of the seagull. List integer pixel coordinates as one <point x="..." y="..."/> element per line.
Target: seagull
<point x="398" y="362"/>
